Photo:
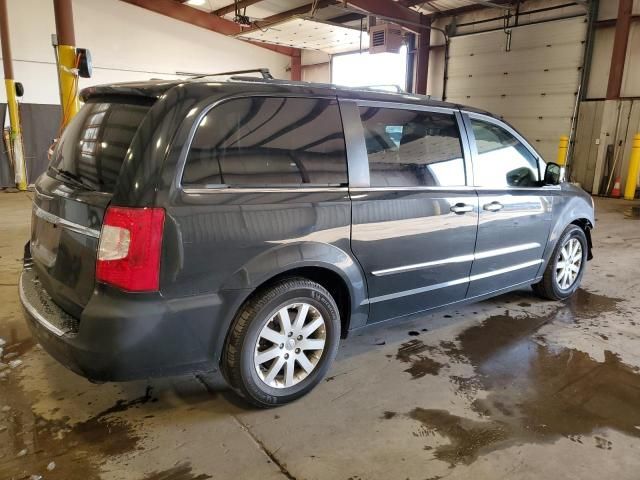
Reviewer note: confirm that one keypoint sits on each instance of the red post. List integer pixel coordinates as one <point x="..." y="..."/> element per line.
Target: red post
<point x="618" y="56"/>
<point x="296" y="65"/>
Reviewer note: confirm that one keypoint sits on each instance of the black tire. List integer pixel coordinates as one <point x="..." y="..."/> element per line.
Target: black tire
<point x="548" y="287"/>
<point x="238" y="356"/>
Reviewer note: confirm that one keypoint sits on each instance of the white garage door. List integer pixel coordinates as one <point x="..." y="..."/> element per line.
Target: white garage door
<point x="533" y="86"/>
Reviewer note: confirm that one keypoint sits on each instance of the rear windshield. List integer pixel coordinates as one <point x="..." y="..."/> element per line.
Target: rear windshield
<point x="93" y="146"/>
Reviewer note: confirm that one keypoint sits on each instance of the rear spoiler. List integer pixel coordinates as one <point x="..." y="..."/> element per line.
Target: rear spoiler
<point x="143" y="90"/>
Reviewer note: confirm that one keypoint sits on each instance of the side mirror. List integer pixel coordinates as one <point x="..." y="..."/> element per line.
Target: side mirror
<point x="552" y="174"/>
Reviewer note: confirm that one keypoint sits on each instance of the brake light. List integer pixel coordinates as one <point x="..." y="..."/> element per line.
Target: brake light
<point x="129" y="248"/>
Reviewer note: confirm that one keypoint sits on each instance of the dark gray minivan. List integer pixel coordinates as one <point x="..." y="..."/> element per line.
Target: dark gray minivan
<point x="248" y="224"/>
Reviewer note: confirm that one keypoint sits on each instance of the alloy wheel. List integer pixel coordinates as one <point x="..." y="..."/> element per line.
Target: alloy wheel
<point x="568" y="263"/>
<point x="290" y="345"/>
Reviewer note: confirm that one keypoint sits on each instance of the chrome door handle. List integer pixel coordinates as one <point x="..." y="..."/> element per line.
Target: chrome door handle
<point x="460" y="208"/>
<point x="492" y="207"/>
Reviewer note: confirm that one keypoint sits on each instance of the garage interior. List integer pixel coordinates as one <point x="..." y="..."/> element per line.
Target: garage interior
<point x="511" y="387"/>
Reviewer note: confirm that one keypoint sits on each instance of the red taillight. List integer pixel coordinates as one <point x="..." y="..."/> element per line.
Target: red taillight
<point x="129" y="249"/>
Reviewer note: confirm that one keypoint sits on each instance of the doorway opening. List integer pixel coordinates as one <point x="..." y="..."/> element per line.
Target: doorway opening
<point x="384" y="70"/>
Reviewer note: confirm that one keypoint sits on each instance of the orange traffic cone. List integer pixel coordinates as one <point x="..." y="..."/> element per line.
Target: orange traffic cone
<point x="615" y="193"/>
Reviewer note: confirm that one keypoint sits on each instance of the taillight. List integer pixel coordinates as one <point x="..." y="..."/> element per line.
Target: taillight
<point x="129" y="249"/>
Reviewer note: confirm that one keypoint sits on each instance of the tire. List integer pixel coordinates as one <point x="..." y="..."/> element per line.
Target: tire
<point x="246" y="340"/>
<point x="550" y="287"/>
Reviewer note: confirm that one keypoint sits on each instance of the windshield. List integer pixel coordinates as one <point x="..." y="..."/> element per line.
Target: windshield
<point x="93" y="146"/>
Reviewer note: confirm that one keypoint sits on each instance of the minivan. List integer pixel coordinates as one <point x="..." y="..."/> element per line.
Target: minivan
<point x="247" y="224"/>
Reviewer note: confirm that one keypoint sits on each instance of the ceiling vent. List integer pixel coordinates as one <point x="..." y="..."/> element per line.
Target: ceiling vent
<point x="385" y="38"/>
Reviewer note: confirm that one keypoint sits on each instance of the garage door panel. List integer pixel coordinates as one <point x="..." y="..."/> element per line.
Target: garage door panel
<point x="555" y="33"/>
<point x="529" y="106"/>
<point x="555" y="81"/>
<point x="531" y="60"/>
<point x="538" y="93"/>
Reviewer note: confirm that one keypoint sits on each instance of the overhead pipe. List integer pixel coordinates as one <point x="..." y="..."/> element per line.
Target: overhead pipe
<point x="17" y="148"/>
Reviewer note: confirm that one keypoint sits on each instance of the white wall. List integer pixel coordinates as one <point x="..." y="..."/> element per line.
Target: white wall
<point x="127" y="43"/>
<point x="316" y="66"/>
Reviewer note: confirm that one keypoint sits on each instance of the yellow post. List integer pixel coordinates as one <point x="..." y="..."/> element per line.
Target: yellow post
<point x="67" y="68"/>
<point x="634" y="167"/>
<point x="68" y="82"/>
<point x="17" y="150"/>
<point x="563" y="146"/>
<point x="16" y="135"/>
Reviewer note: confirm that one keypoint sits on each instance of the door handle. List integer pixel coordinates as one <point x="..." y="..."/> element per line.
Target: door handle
<point x="461" y="208"/>
<point x="492" y="207"/>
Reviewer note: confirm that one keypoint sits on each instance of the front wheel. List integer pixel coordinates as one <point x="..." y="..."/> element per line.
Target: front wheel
<point x="282" y="342"/>
<point x="566" y="266"/>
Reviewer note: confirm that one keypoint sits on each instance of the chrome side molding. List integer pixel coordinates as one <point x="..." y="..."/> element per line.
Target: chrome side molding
<point x="458" y="259"/>
<point x="437" y="286"/>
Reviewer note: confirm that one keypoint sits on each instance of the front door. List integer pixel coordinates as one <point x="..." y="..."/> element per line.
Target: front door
<point x="414" y="224"/>
<point x="515" y="209"/>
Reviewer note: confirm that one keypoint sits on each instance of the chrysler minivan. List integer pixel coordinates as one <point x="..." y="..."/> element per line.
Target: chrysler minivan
<point x="247" y="224"/>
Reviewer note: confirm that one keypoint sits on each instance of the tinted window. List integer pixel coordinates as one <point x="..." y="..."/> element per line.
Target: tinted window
<point x="269" y="142"/>
<point x="503" y="161"/>
<point x="409" y="148"/>
<point x="93" y="146"/>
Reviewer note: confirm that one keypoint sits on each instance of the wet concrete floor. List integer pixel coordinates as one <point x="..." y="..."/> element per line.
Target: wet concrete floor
<point x="512" y="387"/>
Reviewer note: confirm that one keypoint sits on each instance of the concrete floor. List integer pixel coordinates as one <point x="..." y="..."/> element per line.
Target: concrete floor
<point x="513" y="387"/>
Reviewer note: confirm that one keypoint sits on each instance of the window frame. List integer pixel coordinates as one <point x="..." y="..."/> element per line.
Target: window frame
<point x="226" y="188"/>
<point x="468" y="116"/>
<point x="358" y="159"/>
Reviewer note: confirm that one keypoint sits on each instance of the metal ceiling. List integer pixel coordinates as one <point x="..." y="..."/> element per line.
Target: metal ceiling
<point x="262" y="9"/>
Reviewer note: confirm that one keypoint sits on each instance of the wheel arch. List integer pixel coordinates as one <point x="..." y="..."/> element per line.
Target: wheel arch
<point x="326" y="264"/>
<point x="586" y="226"/>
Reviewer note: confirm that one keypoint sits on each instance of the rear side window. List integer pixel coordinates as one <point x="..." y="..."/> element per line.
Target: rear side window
<point x="409" y="148"/>
<point x="502" y="160"/>
<point x="266" y="141"/>
<point x="93" y="146"/>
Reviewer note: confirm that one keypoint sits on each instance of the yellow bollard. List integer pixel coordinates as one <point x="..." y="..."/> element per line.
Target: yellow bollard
<point x="634" y="167"/>
<point x="563" y="146"/>
<point x="68" y="82"/>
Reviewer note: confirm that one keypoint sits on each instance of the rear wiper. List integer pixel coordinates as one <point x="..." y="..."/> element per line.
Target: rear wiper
<point x="76" y="179"/>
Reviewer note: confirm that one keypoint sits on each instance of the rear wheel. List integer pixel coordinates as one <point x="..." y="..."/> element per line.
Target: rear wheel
<point x="282" y="342"/>
<point x="566" y="266"/>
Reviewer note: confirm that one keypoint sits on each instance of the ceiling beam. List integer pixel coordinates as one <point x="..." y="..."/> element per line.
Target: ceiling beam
<point x="410" y="19"/>
<point x="347" y="17"/>
<point x="471" y="8"/>
<point x="201" y="19"/>
<point x="232" y="7"/>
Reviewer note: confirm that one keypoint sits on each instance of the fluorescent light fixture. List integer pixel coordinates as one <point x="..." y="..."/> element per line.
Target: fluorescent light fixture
<point x="196" y="2"/>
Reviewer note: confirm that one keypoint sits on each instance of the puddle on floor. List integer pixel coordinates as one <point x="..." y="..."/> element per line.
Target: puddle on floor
<point x="29" y="443"/>
<point x="413" y="353"/>
<point x="179" y="472"/>
<point x="536" y="392"/>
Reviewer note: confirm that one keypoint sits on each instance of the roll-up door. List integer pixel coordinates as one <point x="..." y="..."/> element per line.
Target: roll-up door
<point x="532" y="84"/>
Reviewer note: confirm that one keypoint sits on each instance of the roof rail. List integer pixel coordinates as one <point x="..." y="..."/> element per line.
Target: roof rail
<point x="384" y="88"/>
<point x="266" y="74"/>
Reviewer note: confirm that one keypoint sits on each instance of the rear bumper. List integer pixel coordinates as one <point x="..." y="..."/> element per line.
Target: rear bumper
<point x="122" y="336"/>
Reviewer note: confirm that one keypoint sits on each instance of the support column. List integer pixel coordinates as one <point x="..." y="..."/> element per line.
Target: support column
<point x="67" y="67"/>
<point x="422" y="64"/>
<point x="17" y="149"/>
<point x="620" y="41"/>
<point x="296" y="65"/>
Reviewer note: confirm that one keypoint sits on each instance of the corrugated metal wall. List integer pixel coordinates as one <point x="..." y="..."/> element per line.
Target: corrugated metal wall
<point x="532" y="85"/>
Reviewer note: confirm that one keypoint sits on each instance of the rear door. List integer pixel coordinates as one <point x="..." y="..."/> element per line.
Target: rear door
<point x="73" y="194"/>
<point x="515" y="209"/>
<point x="414" y="217"/>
